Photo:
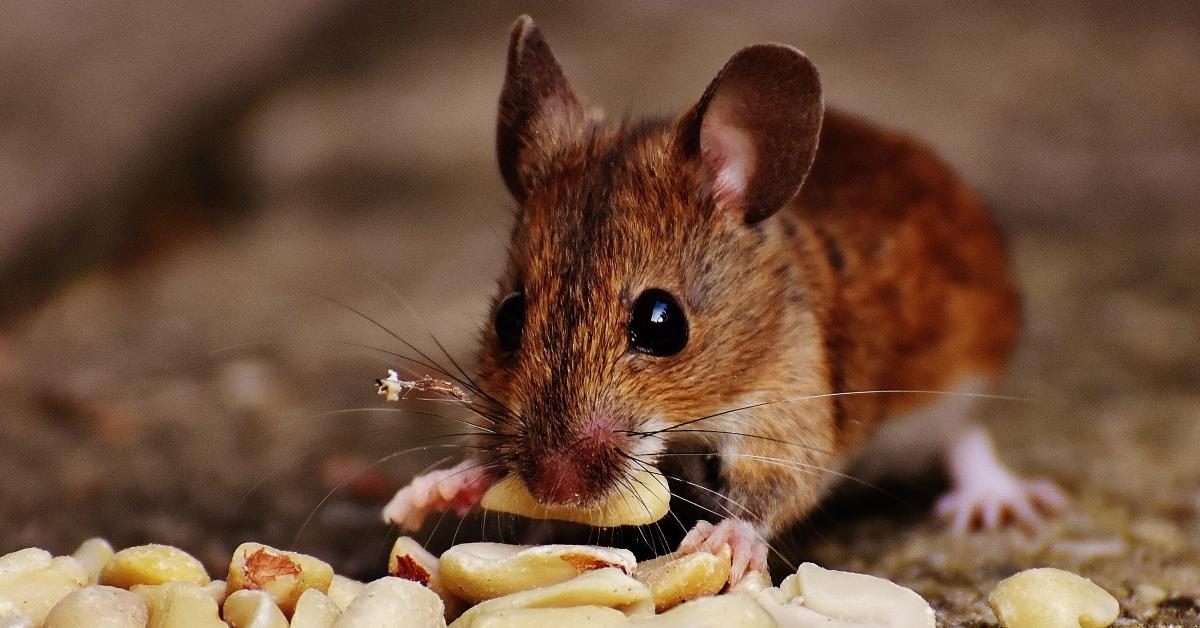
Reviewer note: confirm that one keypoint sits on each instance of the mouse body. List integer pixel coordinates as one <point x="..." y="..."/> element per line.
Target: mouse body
<point x="761" y="297"/>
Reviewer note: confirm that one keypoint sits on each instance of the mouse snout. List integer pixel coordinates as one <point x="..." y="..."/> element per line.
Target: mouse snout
<point x="557" y="480"/>
<point x="582" y="469"/>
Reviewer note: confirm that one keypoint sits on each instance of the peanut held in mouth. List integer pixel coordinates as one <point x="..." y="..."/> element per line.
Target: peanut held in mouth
<point x="645" y="500"/>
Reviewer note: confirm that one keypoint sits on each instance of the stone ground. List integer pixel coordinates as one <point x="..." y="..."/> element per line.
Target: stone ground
<point x="203" y="390"/>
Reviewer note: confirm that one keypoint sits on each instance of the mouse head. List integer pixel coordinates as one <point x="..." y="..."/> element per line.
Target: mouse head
<point x="645" y="285"/>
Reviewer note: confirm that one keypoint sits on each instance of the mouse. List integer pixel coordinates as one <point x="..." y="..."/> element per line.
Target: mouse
<point x="764" y="297"/>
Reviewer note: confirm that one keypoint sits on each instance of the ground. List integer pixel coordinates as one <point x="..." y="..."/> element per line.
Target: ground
<point x="208" y="388"/>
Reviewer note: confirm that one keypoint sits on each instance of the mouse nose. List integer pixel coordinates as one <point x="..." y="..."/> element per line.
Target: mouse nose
<point x="557" y="480"/>
<point x="581" y="471"/>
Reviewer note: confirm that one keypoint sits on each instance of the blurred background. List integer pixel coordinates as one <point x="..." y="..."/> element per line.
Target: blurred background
<point x="190" y="191"/>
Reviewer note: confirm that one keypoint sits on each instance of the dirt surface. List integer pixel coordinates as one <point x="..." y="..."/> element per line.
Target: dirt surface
<point x="209" y="389"/>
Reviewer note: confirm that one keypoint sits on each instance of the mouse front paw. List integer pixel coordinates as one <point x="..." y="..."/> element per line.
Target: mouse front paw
<point x="458" y="488"/>
<point x="747" y="547"/>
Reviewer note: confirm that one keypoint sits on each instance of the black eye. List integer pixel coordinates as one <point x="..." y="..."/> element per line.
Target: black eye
<point x="510" y="321"/>
<point x="657" y="325"/>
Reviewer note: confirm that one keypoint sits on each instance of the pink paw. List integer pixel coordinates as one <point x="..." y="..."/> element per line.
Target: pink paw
<point x="458" y="488"/>
<point x="749" y="550"/>
<point x="999" y="499"/>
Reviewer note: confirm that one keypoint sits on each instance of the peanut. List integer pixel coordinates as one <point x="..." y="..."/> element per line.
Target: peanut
<point x="575" y="617"/>
<point x="814" y="596"/>
<point x="411" y="561"/>
<point x="252" y="609"/>
<point x="284" y="575"/>
<point x="393" y="603"/>
<point x="1052" y="598"/>
<point x="152" y="564"/>
<point x="677" y="578"/>
<point x="648" y="502"/>
<point x="184" y="605"/>
<point x="314" y="610"/>
<point x="735" y="609"/>
<point x="27" y="559"/>
<point x="608" y="587"/>
<point x="481" y="571"/>
<point x="31" y="592"/>
<point x="343" y="590"/>
<point x="93" y="554"/>
<point x="98" y="607"/>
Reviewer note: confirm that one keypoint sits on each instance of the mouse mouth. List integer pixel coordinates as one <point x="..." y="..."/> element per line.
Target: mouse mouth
<point x="579" y="466"/>
<point x="579" y="476"/>
<point x="644" y="499"/>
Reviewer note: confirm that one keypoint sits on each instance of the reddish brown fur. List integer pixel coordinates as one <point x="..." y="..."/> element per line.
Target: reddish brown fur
<point x="883" y="273"/>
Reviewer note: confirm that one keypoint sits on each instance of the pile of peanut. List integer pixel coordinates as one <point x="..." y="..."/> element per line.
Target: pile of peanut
<point x="473" y="585"/>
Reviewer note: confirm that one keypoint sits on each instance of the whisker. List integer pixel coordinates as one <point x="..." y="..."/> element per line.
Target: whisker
<point x="624" y="483"/>
<point x="749" y="513"/>
<point x="812" y="469"/>
<point x="629" y="480"/>
<point x="503" y="243"/>
<point x="485" y="431"/>
<point x="309" y="451"/>
<point x="238" y="346"/>
<point x="343" y="483"/>
<point x="429" y="361"/>
<point x="486" y="465"/>
<point x="413" y="312"/>
<point x="840" y="394"/>
<point x="658" y="434"/>
<point x="728" y="512"/>
<point x="470" y="387"/>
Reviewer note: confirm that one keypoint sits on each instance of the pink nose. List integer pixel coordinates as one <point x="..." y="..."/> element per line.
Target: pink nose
<point x="581" y="472"/>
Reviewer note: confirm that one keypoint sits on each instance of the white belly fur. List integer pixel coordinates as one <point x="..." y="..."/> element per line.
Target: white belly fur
<point x="907" y="445"/>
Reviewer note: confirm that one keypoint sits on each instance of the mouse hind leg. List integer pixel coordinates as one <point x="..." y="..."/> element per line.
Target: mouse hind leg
<point x="984" y="492"/>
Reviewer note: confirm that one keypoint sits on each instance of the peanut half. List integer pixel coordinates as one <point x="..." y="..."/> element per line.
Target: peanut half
<point x="314" y="610"/>
<point x="252" y="609"/>
<point x="184" y="605"/>
<point x="343" y="590"/>
<point x="411" y="561"/>
<point x="677" y="578"/>
<point x="31" y="583"/>
<point x="648" y="502"/>
<point x="481" y="571"/>
<point x="283" y="575"/>
<point x="609" y="587"/>
<point x="814" y="597"/>
<point x="393" y="603"/>
<point x="152" y="564"/>
<point x="99" y="606"/>
<point x="1052" y="598"/>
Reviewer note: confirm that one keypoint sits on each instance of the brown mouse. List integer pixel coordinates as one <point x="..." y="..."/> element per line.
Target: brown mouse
<point x="761" y="297"/>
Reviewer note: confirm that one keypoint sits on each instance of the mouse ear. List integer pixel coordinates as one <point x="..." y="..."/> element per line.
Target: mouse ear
<point x="756" y="129"/>
<point x="538" y="109"/>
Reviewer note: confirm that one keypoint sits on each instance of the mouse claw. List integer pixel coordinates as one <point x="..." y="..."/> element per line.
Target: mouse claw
<point x="987" y="495"/>
<point x="747" y="547"/>
<point x="458" y="488"/>
<point x="991" y="505"/>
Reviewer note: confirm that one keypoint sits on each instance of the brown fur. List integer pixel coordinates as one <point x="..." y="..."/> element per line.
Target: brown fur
<point x="882" y="273"/>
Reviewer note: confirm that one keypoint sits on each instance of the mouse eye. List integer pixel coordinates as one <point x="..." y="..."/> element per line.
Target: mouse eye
<point x="510" y="321"/>
<point x="657" y="325"/>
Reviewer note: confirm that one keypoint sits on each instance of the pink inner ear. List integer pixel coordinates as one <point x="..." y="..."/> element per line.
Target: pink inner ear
<point x="729" y="152"/>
